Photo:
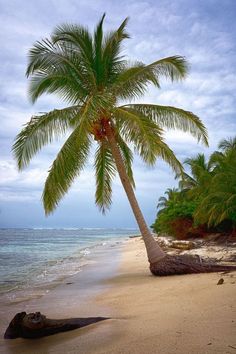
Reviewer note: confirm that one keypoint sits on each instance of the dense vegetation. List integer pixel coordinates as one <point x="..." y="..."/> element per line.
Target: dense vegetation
<point x="205" y="200"/>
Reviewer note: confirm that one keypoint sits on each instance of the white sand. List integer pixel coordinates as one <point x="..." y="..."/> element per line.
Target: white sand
<point x="187" y="314"/>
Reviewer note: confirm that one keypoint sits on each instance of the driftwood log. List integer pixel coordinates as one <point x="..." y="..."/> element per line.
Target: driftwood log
<point x="36" y="325"/>
<point x="182" y="245"/>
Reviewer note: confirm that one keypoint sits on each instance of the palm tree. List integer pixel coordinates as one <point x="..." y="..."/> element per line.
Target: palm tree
<point x="219" y="204"/>
<point x="172" y="194"/>
<point x="197" y="182"/>
<point x="228" y="148"/>
<point x="89" y="72"/>
<point x="227" y="144"/>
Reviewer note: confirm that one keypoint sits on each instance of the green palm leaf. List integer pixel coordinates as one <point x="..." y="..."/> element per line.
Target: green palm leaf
<point x="133" y="81"/>
<point x="173" y="118"/>
<point x="127" y="157"/>
<point x="80" y="40"/>
<point x="66" y="167"/>
<point x="105" y="172"/>
<point x="143" y="133"/>
<point x="146" y="137"/>
<point x="98" y="62"/>
<point x="42" y="130"/>
<point x="57" y="68"/>
<point x="112" y="60"/>
<point x="218" y="201"/>
<point x="227" y="144"/>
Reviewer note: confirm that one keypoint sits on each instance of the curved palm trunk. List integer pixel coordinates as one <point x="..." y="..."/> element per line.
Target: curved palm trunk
<point x="154" y="251"/>
<point x="161" y="264"/>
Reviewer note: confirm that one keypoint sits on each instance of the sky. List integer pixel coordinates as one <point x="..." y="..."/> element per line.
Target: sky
<point x="204" y="31"/>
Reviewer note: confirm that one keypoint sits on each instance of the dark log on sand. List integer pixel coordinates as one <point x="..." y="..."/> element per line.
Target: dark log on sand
<point x="186" y="264"/>
<point x="35" y="325"/>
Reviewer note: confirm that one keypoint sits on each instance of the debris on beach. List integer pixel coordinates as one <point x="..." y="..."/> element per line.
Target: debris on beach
<point x="211" y="248"/>
<point x="183" y="245"/>
<point x="195" y="256"/>
<point x="135" y="236"/>
<point x="36" y="325"/>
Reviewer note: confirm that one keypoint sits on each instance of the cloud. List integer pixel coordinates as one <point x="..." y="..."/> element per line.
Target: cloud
<point x="203" y="32"/>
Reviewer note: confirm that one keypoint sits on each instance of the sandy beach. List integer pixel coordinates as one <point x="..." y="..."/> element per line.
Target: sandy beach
<point x="179" y="314"/>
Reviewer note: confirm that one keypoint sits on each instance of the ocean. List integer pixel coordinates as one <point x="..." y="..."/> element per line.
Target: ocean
<point x="36" y="258"/>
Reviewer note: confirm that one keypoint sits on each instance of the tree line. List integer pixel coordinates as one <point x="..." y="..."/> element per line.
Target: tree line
<point x="205" y="200"/>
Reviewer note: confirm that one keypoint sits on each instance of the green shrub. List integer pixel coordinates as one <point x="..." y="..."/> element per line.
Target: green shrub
<point x="175" y="210"/>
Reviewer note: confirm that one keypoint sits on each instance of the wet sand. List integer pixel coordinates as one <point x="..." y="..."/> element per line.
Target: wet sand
<point x="178" y="314"/>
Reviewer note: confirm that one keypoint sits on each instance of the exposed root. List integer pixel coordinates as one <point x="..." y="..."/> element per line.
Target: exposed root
<point x="186" y="264"/>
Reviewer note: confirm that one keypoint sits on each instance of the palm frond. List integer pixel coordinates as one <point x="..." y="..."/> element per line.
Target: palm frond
<point x="162" y="203"/>
<point x="173" y="118"/>
<point x="217" y="206"/>
<point x="127" y="157"/>
<point x="98" y="41"/>
<point x="218" y="203"/>
<point x="146" y="136"/>
<point x="186" y="182"/>
<point x="53" y="81"/>
<point x="112" y="60"/>
<point x="66" y="167"/>
<point x="166" y="154"/>
<point x="199" y="166"/>
<point x="105" y="170"/>
<point x="143" y="133"/>
<point x="41" y="130"/>
<point x="76" y="35"/>
<point x="57" y="68"/>
<point x="71" y="158"/>
<point x="79" y="38"/>
<point x="134" y="80"/>
<point x="174" y="68"/>
<point x="216" y="159"/>
<point x="227" y="144"/>
<point x="46" y="54"/>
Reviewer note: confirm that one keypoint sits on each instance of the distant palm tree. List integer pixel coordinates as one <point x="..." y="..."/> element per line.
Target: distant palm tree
<point x="200" y="173"/>
<point x="219" y="203"/>
<point x="227" y="144"/>
<point x="172" y="194"/>
<point x="227" y="147"/>
<point x="90" y="74"/>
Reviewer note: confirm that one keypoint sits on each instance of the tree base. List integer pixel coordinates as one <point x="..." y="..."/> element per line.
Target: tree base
<point x="185" y="264"/>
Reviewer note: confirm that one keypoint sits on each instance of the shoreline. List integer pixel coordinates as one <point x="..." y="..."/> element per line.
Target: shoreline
<point x="178" y="314"/>
<point x="43" y="257"/>
<point x="85" y="257"/>
<point x="73" y="296"/>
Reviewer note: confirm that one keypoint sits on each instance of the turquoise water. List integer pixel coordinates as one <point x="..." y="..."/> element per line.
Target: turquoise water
<point x="34" y="257"/>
